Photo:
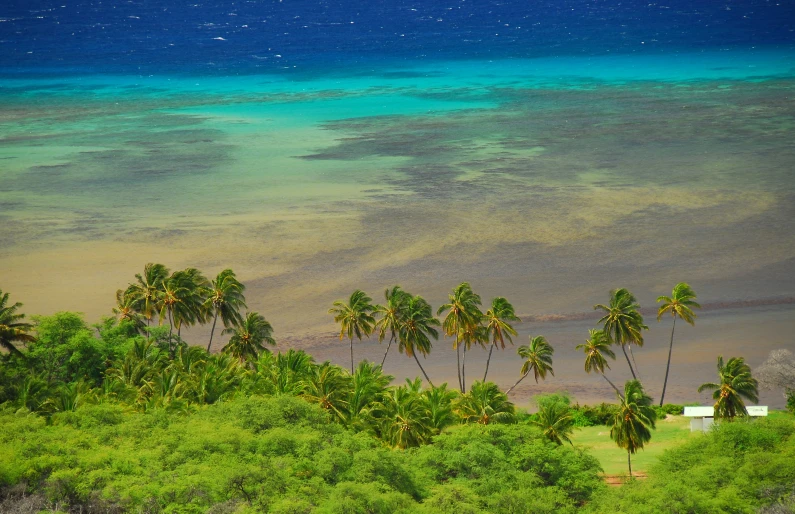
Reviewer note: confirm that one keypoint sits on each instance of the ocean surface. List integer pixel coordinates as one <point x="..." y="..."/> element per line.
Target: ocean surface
<point x="546" y="152"/>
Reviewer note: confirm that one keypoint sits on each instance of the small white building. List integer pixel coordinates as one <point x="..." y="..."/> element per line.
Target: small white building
<point x="702" y="418"/>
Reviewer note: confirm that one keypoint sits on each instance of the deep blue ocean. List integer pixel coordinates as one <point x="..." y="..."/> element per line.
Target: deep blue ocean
<point x="191" y="36"/>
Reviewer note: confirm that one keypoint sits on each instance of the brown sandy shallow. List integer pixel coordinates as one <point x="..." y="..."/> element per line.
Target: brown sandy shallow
<point x="748" y="331"/>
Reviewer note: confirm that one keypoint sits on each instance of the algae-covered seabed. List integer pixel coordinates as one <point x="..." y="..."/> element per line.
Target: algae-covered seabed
<point x="548" y="182"/>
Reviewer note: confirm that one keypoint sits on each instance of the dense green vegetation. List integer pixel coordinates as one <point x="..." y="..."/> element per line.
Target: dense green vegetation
<point x="125" y="416"/>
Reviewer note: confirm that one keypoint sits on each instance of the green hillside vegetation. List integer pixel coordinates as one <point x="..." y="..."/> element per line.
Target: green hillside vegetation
<point x="124" y="416"/>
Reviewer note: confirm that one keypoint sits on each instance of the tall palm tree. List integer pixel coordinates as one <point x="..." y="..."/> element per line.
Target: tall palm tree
<point x="355" y="317"/>
<point x="249" y="338"/>
<point x="471" y="334"/>
<point x="144" y="292"/>
<point x="391" y="314"/>
<point x="497" y="326"/>
<point x="556" y="421"/>
<point x="735" y="384"/>
<point x="224" y="297"/>
<point x="622" y="321"/>
<point x="417" y="329"/>
<point x="486" y="404"/>
<point x="596" y="348"/>
<point x="191" y="306"/>
<point x="12" y="328"/>
<point x="680" y="304"/>
<point x="462" y="311"/>
<point x="634" y="420"/>
<point x="125" y="311"/>
<point x="538" y="359"/>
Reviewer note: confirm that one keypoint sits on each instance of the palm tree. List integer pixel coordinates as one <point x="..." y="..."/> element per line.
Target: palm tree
<point x="368" y="386"/>
<point x="538" y="359"/>
<point x="125" y="311"/>
<point x="391" y="314"/>
<point x="634" y="420"/>
<point x="12" y="328"/>
<point x="144" y="292"/>
<point x="595" y="348"/>
<point x="463" y="310"/>
<point x="417" y="325"/>
<point x="224" y="297"/>
<point x="556" y="421"/>
<point x="403" y="418"/>
<point x="355" y="317"/>
<point x="472" y="334"/>
<point x="329" y="386"/>
<point x="439" y="403"/>
<point x="735" y="384"/>
<point x="497" y="326"/>
<point x="191" y="289"/>
<point x="680" y="304"/>
<point x="486" y="404"/>
<point x="250" y="337"/>
<point x="623" y="322"/>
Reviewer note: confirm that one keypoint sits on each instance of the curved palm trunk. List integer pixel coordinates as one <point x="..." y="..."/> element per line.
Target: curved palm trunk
<point x="629" y="463"/>
<point x="635" y="364"/>
<point x="458" y="357"/>
<point x="351" y="356"/>
<point x="668" y="366"/>
<point x="517" y="383"/>
<point x="487" y="362"/>
<point x="212" y="331"/>
<point x="624" y="350"/>
<point x="464" y="371"/>
<point x="423" y="370"/>
<point x="618" y="391"/>
<point x="387" y="351"/>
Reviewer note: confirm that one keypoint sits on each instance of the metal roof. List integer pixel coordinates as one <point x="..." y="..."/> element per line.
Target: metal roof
<point x="709" y="412"/>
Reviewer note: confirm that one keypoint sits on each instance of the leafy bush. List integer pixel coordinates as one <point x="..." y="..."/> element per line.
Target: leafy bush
<point x="737" y="467"/>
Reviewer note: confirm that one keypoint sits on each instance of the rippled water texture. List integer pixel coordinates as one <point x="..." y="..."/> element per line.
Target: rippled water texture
<point x="548" y="181"/>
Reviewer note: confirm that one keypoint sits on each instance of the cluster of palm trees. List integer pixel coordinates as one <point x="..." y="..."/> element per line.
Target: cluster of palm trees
<point x="185" y="298"/>
<point x="408" y="320"/>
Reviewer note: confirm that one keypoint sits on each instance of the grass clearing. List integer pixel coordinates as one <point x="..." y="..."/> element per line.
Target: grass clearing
<point x="670" y="433"/>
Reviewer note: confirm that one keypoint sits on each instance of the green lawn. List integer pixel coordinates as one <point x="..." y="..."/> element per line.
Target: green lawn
<point x="670" y="432"/>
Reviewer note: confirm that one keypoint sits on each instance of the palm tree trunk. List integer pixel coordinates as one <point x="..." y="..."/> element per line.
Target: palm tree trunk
<point x="517" y="383"/>
<point x="212" y="331"/>
<point x="614" y="386"/>
<point x="668" y="367"/>
<point x="632" y="354"/>
<point x="464" y="371"/>
<point x="458" y="357"/>
<point x="351" y="356"/>
<point x="487" y="363"/>
<point x="629" y="463"/>
<point x="387" y="351"/>
<point x="628" y="363"/>
<point x="422" y="369"/>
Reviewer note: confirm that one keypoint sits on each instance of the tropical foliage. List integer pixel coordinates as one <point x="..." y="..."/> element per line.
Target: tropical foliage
<point x="537" y="359"/>
<point x="634" y="420"/>
<point x="680" y="305"/>
<point x="463" y="316"/>
<point x="355" y="317"/>
<point x="622" y="322"/>
<point x="12" y="327"/>
<point x="735" y="382"/>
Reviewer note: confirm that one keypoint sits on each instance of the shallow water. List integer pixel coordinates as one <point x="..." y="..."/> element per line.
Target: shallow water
<point x="548" y="180"/>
